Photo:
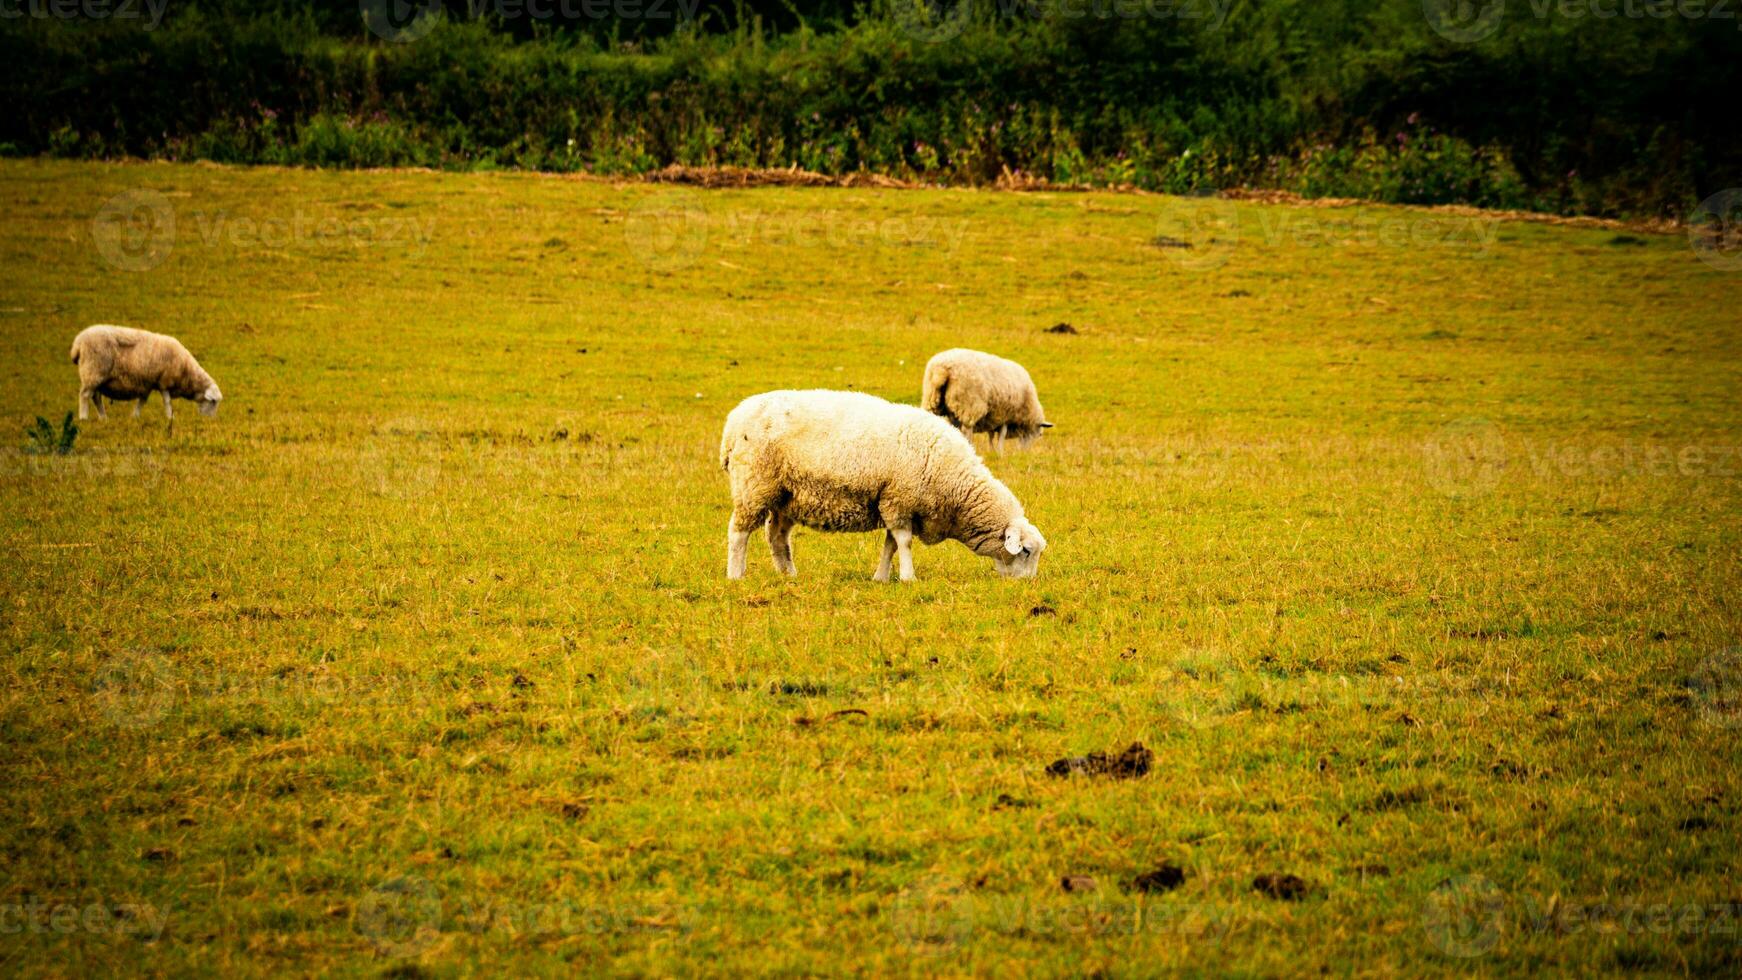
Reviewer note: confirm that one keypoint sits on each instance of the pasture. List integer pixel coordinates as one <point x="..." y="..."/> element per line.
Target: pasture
<point x="1406" y="541"/>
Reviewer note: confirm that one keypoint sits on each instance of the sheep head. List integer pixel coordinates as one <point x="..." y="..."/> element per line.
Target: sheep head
<point x="208" y="400"/>
<point x="1019" y="557"/>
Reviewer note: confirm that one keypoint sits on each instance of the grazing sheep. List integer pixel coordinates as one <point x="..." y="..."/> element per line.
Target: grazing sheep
<point x="979" y="392"/>
<point x="845" y="461"/>
<point x="123" y="364"/>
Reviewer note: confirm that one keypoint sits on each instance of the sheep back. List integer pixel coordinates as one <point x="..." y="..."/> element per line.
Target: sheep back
<point x="843" y="461"/>
<point x="123" y="363"/>
<point x="982" y="392"/>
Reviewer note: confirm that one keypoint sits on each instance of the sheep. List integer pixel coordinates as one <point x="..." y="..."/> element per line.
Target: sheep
<point x="847" y="461"/>
<point x="124" y="364"/>
<point x="979" y="392"/>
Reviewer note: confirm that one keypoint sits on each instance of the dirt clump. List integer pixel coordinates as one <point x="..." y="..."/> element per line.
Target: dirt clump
<point x="1135" y="761"/>
<point x="1287" y="888"/>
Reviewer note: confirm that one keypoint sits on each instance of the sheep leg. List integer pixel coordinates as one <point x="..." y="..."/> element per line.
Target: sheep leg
<point x="883" y="563"/>
<point x="136" y="407"/>
<point x="1002" y="431"/>
<point x="737" y="539"/>
<point x="904" y="551"/>
<point x="168" y="410"/>
<point x="780" y="543"/>
<point x="102" y="412"/>
<point x="84" y="404"/>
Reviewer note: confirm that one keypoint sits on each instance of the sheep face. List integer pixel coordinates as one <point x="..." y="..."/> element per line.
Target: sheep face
<point x="208" y="401"/>
<point x="1019" y="552"/>
<point x="1028" y="437"/>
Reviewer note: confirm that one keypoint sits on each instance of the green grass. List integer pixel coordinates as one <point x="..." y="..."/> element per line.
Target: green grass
<point x="1408" y="543"/>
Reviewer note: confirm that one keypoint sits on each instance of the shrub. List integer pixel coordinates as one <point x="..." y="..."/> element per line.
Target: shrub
<point x="45" y="441"/>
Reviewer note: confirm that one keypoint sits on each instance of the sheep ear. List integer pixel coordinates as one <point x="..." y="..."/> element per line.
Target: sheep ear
<point x="1013" y="539"/>
<point x="1046" y="425"/>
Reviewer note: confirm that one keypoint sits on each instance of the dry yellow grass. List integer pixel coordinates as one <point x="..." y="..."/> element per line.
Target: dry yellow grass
<point x="1406" y="542"/>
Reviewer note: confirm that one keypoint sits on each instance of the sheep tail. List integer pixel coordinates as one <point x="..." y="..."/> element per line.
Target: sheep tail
<point x="75" y="352"/>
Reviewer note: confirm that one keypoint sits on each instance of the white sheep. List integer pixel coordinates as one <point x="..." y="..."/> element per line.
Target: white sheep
<point x="979" y="392"/>
<point x="124" y="364"/>
<point x="846" y="461"/>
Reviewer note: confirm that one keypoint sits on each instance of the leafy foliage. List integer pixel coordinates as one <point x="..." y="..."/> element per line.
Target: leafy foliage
<point x="1323" y="98"/>
<point x="45" y="441"/>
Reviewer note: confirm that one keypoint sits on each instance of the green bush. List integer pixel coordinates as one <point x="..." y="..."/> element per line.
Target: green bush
<point x="1323" y="97"/>
<point x="44" y="440"/>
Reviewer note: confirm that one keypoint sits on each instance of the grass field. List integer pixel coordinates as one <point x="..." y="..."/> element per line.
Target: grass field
<point x="1408" y="542"/>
